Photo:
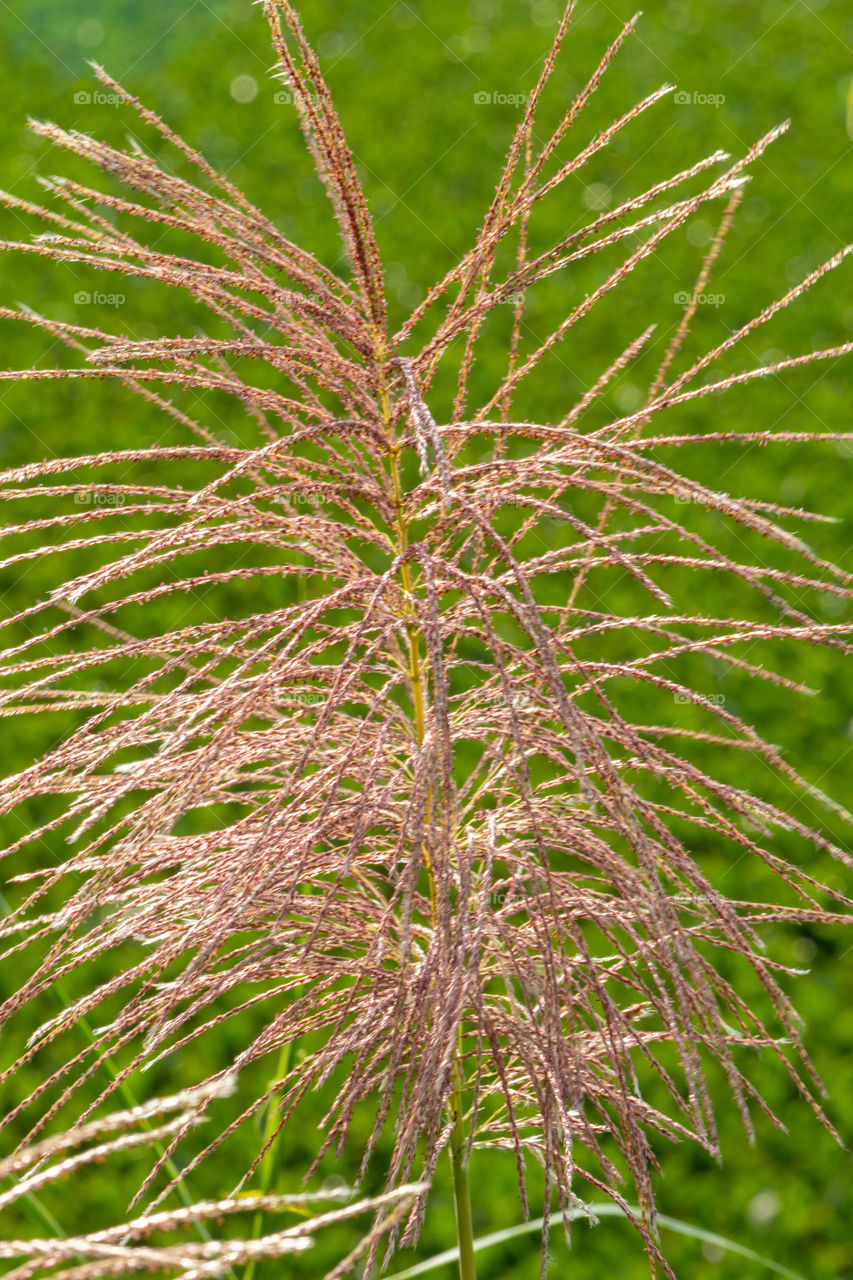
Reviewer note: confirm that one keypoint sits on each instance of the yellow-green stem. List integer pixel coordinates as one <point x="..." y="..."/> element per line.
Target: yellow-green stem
<point x="268" y="1163"/>
<point x="458" y="1139"/>
<point x="461" y="1187"/>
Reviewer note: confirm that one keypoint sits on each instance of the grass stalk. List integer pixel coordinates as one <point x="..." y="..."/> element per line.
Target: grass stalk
<point x="461" y="1184"/>
<point x="271" y="1141"/>
<point x="458" y="1142"/>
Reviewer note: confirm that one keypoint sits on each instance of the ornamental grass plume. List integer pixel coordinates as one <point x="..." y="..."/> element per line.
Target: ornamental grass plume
<point x="409" y="815"/>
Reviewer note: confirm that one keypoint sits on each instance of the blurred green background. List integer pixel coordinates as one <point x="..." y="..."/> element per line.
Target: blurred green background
<point x="410" y="80"/>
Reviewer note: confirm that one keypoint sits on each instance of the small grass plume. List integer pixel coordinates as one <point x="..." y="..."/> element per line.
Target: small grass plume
<point x="412" y="807"/>
<point x="129" y="1246"/>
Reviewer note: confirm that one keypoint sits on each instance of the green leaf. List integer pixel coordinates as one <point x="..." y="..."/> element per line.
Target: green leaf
<point x="600" y="1211"/>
